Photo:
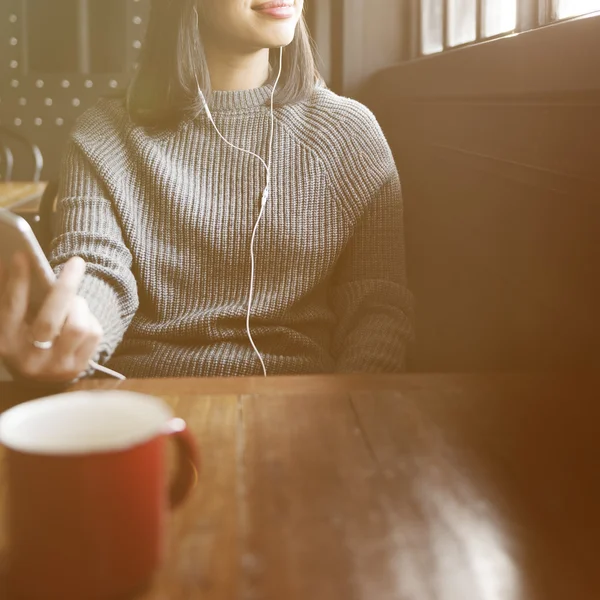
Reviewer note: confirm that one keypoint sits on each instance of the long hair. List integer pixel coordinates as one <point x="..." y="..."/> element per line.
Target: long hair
<point x="164" y="89"/>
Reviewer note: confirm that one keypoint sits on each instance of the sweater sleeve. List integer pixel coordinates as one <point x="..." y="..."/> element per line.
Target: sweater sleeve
<point x="369" y="295"/>
<point x="88" y="226"/>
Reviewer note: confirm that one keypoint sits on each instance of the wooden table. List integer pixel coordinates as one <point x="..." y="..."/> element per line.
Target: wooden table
<point x="424" y="487"/>
<point x="18" y="194"/>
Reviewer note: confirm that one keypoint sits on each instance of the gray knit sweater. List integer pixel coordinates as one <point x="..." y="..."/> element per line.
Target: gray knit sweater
<point x="164" y="221"/>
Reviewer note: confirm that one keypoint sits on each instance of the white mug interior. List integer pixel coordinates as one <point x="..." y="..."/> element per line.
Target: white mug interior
<point x="84" y="422"/>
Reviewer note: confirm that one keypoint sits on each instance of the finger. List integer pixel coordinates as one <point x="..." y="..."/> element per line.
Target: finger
<point x="51" y="317"/>
<point x="15" y="299"/>
<point x="63" y="362"/>
<point x="4" y="272"/>
<point x="78" y="340"/>
<point x="3" y="279"/>
<point x="88" y="349"/>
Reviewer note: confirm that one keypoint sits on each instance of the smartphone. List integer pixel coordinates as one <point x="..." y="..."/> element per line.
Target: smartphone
<point x="16" y="235"/>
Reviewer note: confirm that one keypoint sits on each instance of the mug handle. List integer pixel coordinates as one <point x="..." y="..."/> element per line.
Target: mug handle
<point x="188" y="461"/>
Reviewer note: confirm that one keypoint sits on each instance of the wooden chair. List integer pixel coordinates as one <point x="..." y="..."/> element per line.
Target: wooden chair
<point x="6" y="137"/>
<point x="46" y="223"/>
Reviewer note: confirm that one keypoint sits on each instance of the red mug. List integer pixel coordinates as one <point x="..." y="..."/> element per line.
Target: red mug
<point x="87" y="492"/>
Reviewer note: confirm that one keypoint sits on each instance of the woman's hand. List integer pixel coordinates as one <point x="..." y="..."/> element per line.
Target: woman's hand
<point x="60" y="340"/>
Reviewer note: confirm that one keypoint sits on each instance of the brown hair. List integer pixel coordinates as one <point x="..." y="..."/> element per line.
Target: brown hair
<point x="164" y="91"/>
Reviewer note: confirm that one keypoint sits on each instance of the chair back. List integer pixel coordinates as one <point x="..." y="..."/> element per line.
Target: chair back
<point x="8" y="140"/>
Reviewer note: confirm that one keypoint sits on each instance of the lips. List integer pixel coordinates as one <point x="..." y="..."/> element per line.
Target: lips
<point x="277" y="9"/>
<point x="274" y="4"/>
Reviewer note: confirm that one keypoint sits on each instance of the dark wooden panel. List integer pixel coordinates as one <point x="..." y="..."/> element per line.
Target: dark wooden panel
<point x="355" y="38"/>
<point x="319" y="19"/>
<point x="497" y="149"/>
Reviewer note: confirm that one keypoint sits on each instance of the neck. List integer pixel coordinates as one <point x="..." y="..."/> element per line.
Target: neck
<point x="231" y="72"/>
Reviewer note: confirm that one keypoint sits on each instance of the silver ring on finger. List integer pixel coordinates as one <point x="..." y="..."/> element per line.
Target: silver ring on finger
<point x="43" y="345"/>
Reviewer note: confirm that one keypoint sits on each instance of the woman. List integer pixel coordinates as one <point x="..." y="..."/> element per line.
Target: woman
<point x="161" y="197"/>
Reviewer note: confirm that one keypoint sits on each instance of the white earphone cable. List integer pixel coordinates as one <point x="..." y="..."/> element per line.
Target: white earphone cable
<point x="106" y="370"/>
<point x="263" y="204"/>
<point x="264" y="197"/>
<point x="210" y="118"/>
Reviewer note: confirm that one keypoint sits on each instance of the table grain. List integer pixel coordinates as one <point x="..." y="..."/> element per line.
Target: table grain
<point x="424" y="487"/>
<point x="15" y="194"/>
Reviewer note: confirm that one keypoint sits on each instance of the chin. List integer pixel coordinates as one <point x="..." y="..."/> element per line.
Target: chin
<point x="275" y="39"/>
<point x="278" y="42"/>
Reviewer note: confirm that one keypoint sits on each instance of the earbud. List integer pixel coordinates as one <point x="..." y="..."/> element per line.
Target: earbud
<point x="265" y="195"/>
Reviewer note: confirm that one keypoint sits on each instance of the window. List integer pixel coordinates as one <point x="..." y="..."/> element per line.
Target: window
<point x="432" y="26"/>
<point x="462" y="21"/>
<point x="499" y="16"/>
<point x="572" y="8"/>
<point x="447" y="24"/>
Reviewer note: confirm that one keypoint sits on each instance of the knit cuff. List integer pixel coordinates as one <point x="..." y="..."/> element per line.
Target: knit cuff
<point x="104" y="305"/>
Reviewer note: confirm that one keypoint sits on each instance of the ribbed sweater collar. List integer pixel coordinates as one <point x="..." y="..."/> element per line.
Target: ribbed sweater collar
<point x="240" y="100"/>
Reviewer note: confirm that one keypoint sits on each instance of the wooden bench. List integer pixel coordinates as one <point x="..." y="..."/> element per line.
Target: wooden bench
<point x="497" y="148"/>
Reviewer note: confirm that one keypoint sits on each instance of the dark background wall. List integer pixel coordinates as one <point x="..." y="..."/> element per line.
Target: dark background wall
<point x="59" y="56"/>
<point x="356" y="38"/>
